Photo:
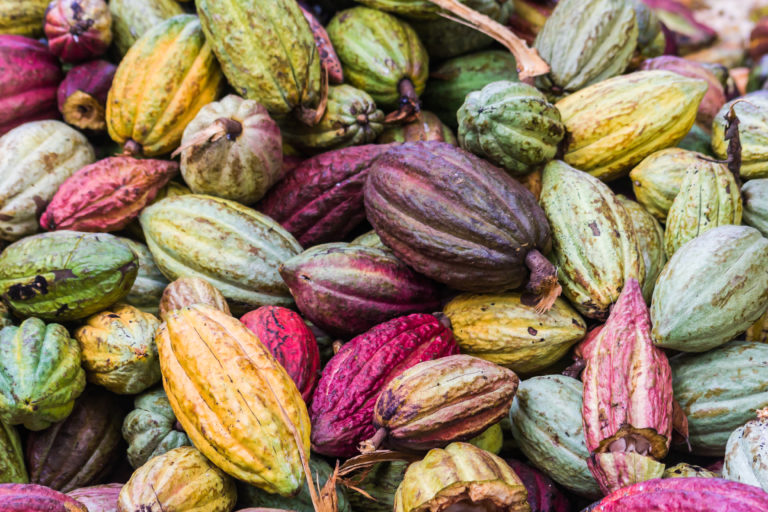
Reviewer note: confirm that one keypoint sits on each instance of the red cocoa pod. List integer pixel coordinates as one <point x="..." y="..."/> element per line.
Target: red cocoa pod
<point x="291" y="342"/>
<point x="98" y="498"/>
<point x="684" y="495"/>
<point x="322" y="199"/>
<point x="82" y="96"/>
<point x="328" y="58"/>
<point x="346" y="289"/>
<point x="36" y="498"/>
<point x="78" y="29"/>
<point x="581" y="351"/>
<point x="29" y="76"/>
<point x="543" y="495"/>
<point x="342" y="405"/>
<point x="107" y="195"/>
<point x="758" y="40"/>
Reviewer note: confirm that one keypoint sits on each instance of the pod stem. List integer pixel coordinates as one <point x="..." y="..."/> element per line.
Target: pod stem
<point x="132" y="148"/>
<point x="372" y="444"/>
<point x="312" y="116"/>
<point x="543" y="281"/>
<point x="410" y="106"/>
<point x="222" y="127"/>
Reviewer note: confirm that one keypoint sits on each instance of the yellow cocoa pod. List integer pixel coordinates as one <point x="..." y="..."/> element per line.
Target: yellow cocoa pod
<point x="759" y="330"/>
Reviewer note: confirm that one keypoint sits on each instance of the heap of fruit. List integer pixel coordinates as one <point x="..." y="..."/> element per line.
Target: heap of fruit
<point x="384" y="255"/>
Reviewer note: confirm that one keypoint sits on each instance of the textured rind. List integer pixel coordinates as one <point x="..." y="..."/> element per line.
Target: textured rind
<point x="755" y="196"/>
<point x="746" y="454"/>
<point x="152" y="109"/>
<point x="547" y="427"/>
<point x="150" y="282"/>
<point x="266" y="50"/>
<point x="36" y="498"/>
<point x="239" y="167"/>
<point x="454" y="217"/>
<point x="31" y="74"/>
<point x="616" y="123"/>
<point x="657" y="179"/>
<point x="418" y="415"/>
<point x="82" y="95"/>
<point x="543" y="495"/>
<point x="35" y="159"/>
<point x="181" y="479"/>
<point x="119" y="351"/>
<point x="236" y="249"/>
<point x="685" y="470"/>
<point x="719" y="391"/>
<point x="490" y="439"/>
<point x="587" y="41"/>
<point x="132" y="18"/>
<point x="241" y="429"/>
<point x="595" y="246"/>
<point x="411" y="9"/>
<point x="186" y="291"/>
<point x="759" y="330"/>
<point x="346" y="289"/>
<point x="78" y="30"/>
<point x="107" y="195"/>
<point x="694" y="314"/>
<point x="321" y="200"/>
<point x="41" y="374"/>
<point x="379" y="51"/>
<point x="292" y="343"/>
<point x="98" y="498"/>
<point x="752" y="112"/>
<point x="328" y="59"/>
<point x="65" y="275"/>
<point x="460" y="474"/>
<point x="12" y="466"/>
<point x="510" y="124"/>
<point x="503" y="330"/>
<point x="684" y="495"/>
<point x="80" y="450"/>
<point x="23" y="18"/>
<point x="381" y="483"/>
<point x="709" y="197"/>
<point x="650" y="241"/>
<point x="150" y="429"/>
<point x="342" y="405"/>
<point x="427" y="126"/>
<point x="614" y="470"/>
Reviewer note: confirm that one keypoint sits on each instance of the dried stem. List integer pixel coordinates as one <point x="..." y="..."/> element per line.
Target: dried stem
<point x="222" y="127"/>
<point x="372" y="444"/>
<point x="543" y="282"/>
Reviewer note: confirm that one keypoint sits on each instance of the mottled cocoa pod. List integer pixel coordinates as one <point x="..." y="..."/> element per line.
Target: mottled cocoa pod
<point x="186" y="291"/>
<point x="78" y="29"/>
<point x="543" y="495"/>
<point x="328" y="58"/>
<point x="82" y="96"/>
<point x="614" y="470"/>
<point x="685" y="470"/>
<point x="98" y="498"/>
<point x="36" y="498"/>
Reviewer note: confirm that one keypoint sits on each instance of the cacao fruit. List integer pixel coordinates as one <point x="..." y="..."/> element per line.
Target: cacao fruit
<point x="657" y="179"/>
<point x="186" y="291"/>
<point x="82" y="95"/>
<point x="759" y="330"/>
<point x="650" y="241"/>
<point x="370" y="239"/>
<point x="23" y="18"/>
<point x="328" y="59"/>
<point x="543" y="495"/>
<point x="751" y="110"/>
<point x="36" y="498"/>
<point x="12" y="467"/>
<point x="685" y="470"/>
<point x="150" y="282"/>
<point x="427" y="126"/>
<point x="98" y="498"/>
<point x="755" y="196"/>
<point x="380" y="483"/>
<point x="490" y="439"/>
<point x="78" y="30"/>
<point x="746" y="459"/>
<point x="697" y="139"/>
<point x="132" y="18"/>
<point x="414" y="9"/>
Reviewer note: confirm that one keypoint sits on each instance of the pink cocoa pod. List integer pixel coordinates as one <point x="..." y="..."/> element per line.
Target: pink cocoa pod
<point x="614" y="470"/>
<point x="36" y="498"/>
<point x="78" y="29"/>
<point x="684" y="495"/>
<point x="346" y="289"/>
<point x="291" y="342"/>
<point x="343" y="402"/>
<point x="543" y="495"/>
<point x="82" y="96"/>
<point x="107" y="195"/>
<point x="29" y="76"/>
<point x="321" y="200"/>
<point x="328" y="58"/>
<point x="98" y="498"/>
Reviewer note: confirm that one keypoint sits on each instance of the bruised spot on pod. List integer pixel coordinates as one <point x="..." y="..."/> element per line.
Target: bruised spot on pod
<point x="594" y="228"/>
<point x="26" y="291"/>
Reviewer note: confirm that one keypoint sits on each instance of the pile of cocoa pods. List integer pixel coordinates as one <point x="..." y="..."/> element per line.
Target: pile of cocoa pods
<point x="383" y="255"/>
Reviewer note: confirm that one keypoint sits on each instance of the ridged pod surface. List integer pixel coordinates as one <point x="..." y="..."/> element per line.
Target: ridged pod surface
<point x="150" y="282"/>
<point x="186" y="291"/>
<point x="147" y="111"/>
<point x="36" y="498"/>
<point x="595" y="246"/>
<point x="752" y="112"/>
<point x="543" y="495"/>
<point x="12" y="466"/>
<point x="78" y="30"/>
<point x="329" y="61"/>
<point x="346" y="289"/>
<point x="504" y="330"/>
<point x="65" y="275"/>
<point x="657" y="179"/>
<point x="23" y="18"/>
<point x="244" y="430"/>
<point x="719" y="391"/>
<point x="267" y="52"/>
<point x="236" y="249"/>
<point x="755" y="196"/>
<point x="132" y="18"/>
<point x="612" y="125"/>
<point x="427" y="126"/>
<point x="342" y="405"/>
<point x="746" y="455"/>
<point x="711" y="290"/>
<point x="650" y="241"/>
<point x="98" y="498"/>
<point x="35" y="159"/>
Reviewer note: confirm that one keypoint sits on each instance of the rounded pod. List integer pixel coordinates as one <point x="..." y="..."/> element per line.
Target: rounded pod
<point x="746" y="454"/>
<point x="23" y="18"/>
<point x="98" y="498"/>
<point x="657" y="179"/>
<point x="181" y="479"/>
<point x="232" y="149"/>
<point x="650" y="241"/>
<point x="82" y="96"/>
<point x="504" y="330"/>
<point x="236" y="249"/>
<point x="78" y="29"/>
<point x="752" y="113"/>
<point x="41" y="374"/>
<point x="12" y="466"/>
<point x="150" y="282"/>
<point x="36" y="498"/>
<point x="35" y="159"/>
<point x="147" y="110"/>
<point x="65" y="275"/>
<point x="543" y="494"/>
<point x="510" y="124"/>
<point x="427" y="126"/>
<point x="132" y="18"/>
<point x="685" y="470"/>
<point x="755" y="195"/>
<point x="186" y="291"/>
<point x="711" y="290"/>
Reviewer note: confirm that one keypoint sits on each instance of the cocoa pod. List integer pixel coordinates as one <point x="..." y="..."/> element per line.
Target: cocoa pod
<point x="82" y="96"/>
<point x="186" y="291"/>
<point x="36" y="498"/>
<point x="78" y="30"/>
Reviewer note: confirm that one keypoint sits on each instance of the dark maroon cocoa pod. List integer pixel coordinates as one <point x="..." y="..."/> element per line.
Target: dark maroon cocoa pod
<point x="321" y="200"/>
<point x="82" y="96"/>
<point x="80" y="450"/>
<point x="543" y="495"/>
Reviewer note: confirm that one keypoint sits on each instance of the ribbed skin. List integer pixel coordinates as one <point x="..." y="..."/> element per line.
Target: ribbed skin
<point x="98" y="498"/>
<point x="657" y="179"/>
<point x="746" y="454"/>
<point x="755" y="195"/>
<point x="650" y="241"/>
<point x="328" y="58"/>
<point x="36" y="498"/>
<point x="23" y="18"/>
<point x="186" y="291"/>
<point x="752" y="112"/>
<point x="12" y="466"/>
<point x="132" y="18"/>
<point x="78" y="30"/>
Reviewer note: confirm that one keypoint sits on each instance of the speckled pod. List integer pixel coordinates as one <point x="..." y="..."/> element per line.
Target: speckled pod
<point x="752" y="111"/>
<point x="132" y="18"/>
<point x="23" y="18"/>
<point x="36" y="498"/>
<point x="650" y="241"/>
<point x="746" y="454"/>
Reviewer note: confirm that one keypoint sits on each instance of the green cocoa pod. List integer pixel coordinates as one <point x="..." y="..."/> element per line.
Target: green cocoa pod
<point x="380" y="482"/>
<point x="427" y="126"/>
<point x="417" y="9"/>
<point x="752" y="112"/>
<point x="595" y="247"/>
<point x="131" y="18"/>
<point x="546" y="424"/>
<point x="6" y="319"/>
<point x="490" y="440"/>
<point x="267" y="52"/>
<point x="511" y="125"/>
<point x="712" y="289"/>
<point x="585" y="42"/>
<point x="657" y="179"/>
<point x="381" y="55"/>
<point x="755" y="195"/>
<point x="651" y="41"/>
<point x="65" y="275"/>
<point x="450" y="82"/>
<point x="40" y="374"/>
<point x="12" y="467"/>
<point x="150" y="282"/>
<point x="698" y="140"/>
<point x="708" y="197"/>
<point x="650" y="239"/>
<point x="351" y="119"/>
